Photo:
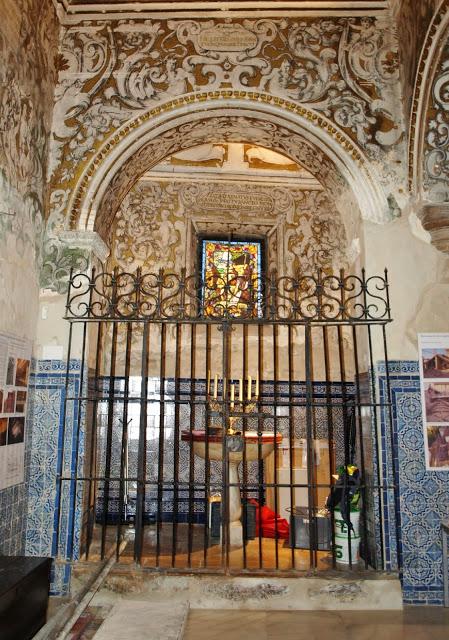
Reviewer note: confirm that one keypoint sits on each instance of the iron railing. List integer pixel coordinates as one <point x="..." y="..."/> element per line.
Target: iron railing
<point x="169" y="296"/>
<point x="312" y="343"/>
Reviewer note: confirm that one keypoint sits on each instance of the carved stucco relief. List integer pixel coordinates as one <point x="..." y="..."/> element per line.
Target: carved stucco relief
<point x="152" y="225"/>
<point x="345" y="69"/>
<point x="436" y="144"/>
<point x="221" y="129"/>
<point x="28" y="32"/>
<point x="27" y="78"/>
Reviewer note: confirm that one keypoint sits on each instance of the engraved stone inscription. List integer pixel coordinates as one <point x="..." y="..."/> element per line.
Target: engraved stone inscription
<point x="245" y="202"/>
<point x="227" y="37"/>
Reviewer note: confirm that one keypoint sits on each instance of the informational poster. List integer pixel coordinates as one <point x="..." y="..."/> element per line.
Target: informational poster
<point x="15" y="360"/>
<point x="434" y="369"/>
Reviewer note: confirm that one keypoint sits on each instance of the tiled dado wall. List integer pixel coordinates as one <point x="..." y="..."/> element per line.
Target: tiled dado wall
<point x="13" y="509"/>
<point x="424" y="495"/>
<point x="297" y="393"/>
<point x="45" y="421"/>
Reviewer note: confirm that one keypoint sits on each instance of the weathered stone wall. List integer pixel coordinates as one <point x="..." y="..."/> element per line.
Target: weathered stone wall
<point x="28" y="45"/>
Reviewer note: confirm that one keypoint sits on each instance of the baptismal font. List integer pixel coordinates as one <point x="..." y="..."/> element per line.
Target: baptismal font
<point x="224" y="442"/>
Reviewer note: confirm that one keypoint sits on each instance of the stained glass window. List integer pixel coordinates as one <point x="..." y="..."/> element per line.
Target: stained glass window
<point x="231" y="276"/>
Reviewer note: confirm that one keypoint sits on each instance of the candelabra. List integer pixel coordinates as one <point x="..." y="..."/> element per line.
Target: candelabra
<point x="230" y="408"/>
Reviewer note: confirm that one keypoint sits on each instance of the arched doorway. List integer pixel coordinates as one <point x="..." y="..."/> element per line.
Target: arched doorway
<point x="299" y="355"/>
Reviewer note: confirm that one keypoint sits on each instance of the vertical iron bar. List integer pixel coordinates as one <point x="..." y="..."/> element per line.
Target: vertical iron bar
<point x="361" y="443"/>
<point x="244" y="426"/>
<point x="275" y="424"/>
<point x="74" y="482"/>
<point x="62" y="441"/>
<point x="142" y="449"/>
<point x="345" y="426"/>
<point x="109" y="437"/>
<point x="176" y="446"/>
<point x="208" y="505"/>
<point x="310" y="443"/>
<point x="260" y="424"/>
<point x="191" y="428"/>
<point x="291" y="437"/>
<point x="330" y="430"/>
<point x="226" y="328"/>
<point x="376" y="445"/>
<point x="394" y="452"/>
<point x="79" y="411"/>
<point x="160" y="458"/>
<point x="92" y="497"/>
<point x="124" y="444"/>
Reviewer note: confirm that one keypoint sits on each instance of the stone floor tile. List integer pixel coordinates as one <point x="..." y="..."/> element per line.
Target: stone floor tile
<point x="139" y="620"/>
<point x="420" y="623"/>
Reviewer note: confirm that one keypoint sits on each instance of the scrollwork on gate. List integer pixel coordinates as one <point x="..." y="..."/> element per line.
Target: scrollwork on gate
<point x="165" y="296"/>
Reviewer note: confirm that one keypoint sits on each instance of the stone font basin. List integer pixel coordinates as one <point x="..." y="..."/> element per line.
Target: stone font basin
<point x="256" y="447"/>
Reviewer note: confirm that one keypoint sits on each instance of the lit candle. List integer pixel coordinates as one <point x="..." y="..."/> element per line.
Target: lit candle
<point x="249" y="387"/>
<point x="216" y="386"/>
<point x="257" y="385"/>
<point x="241" y="390"/>
<point x="208" y="383"/>
<point x="232" y="395"/>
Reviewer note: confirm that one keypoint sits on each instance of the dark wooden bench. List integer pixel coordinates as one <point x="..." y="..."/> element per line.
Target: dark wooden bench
<point x="24" y="587"/>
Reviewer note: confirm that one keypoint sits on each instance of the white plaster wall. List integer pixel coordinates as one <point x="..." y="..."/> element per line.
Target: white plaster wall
<point x="419" y="283"/>
<point x="52" y="330"/>
<point x="19" y="289"/>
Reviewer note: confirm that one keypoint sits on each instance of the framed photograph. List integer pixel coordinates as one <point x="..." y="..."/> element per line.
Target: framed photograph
<point x="9" y="404"/>
<point x="435" y="362"/>
<point x="434" y="374"/>
<point x="10" y="372"/>
<point x="16" y="430"/>
<point x="22" y="372"/>
<point x="436" y="401"/>
<point x="437" y="440"/>
<point x="21" y="398"/>
<point x="3" y="431"/>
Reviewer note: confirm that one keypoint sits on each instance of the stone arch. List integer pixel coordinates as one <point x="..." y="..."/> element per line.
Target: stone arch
<point x="295" y="131"/>
<point x="429" y="79"/>
<point x="429" y="132"/>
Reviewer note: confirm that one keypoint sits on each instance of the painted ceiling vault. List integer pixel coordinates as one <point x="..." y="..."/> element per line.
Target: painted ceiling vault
<point x="254" y="192"/>
<point x="224" y="129"/>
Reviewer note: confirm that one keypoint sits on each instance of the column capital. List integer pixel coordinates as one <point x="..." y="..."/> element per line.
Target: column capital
<point x="89" y="241"/>
<point x="435" y="220"/>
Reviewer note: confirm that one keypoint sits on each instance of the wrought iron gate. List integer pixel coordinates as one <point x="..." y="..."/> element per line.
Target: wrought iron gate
<point x="208" y="440"/>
